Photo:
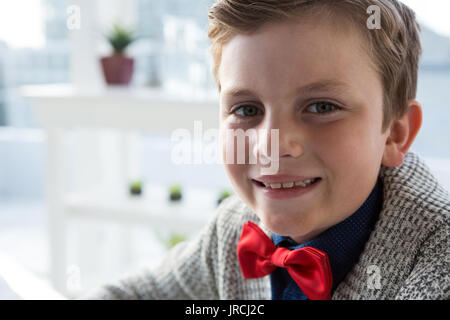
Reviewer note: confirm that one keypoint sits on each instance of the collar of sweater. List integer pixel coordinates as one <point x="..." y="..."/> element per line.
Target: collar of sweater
<point x="343" y="243"/>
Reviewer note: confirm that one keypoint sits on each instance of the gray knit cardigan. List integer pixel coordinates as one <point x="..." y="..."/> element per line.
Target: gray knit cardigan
<point x="406" y="256"/>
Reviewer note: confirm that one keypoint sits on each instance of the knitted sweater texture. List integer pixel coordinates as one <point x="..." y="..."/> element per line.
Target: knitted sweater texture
<point x="406" y="256"/>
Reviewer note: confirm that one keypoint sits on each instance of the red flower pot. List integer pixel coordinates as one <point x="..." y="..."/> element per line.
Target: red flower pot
<point x="117" y="69"/>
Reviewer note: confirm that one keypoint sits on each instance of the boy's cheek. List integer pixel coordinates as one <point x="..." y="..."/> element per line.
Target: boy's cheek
<point x="237" y="173"/>
<point x="240" y="177"/>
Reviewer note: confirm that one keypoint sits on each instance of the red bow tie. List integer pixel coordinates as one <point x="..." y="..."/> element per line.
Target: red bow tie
<point x="308" y="267"/>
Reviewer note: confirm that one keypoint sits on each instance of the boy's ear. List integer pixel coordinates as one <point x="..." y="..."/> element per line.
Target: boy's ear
<point x="402" y="134"/>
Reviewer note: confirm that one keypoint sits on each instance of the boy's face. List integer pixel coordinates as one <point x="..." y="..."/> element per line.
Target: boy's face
<point x="315" y="83"/>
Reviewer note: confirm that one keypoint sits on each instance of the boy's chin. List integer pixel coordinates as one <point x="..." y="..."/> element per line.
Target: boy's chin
<point x="287" y="224"/>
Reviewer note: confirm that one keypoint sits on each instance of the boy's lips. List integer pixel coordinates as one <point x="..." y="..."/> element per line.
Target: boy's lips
<point x="281" y="193"/>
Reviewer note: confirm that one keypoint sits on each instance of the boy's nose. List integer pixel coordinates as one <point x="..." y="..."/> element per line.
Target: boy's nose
<point x="290" y="148"/>
<point x="290" y="143"/>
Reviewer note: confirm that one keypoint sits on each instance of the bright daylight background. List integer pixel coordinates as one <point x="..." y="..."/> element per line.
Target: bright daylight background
<point x="102" y="234"/>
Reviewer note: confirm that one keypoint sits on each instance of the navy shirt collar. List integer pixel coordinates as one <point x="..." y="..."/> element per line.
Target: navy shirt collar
<point x="343" y="243"/>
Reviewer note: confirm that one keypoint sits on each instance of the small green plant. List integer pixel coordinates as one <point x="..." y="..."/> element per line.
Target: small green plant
<point x="136" y="187"/>
<point x="225" y="193"/>
<point x="174" y="239"/>
<point x="170" y="238"/>
<point x="175" y="192"/>
<point x="120" y="37"/>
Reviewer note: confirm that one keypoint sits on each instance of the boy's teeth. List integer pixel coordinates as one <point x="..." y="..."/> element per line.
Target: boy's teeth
<point x="287" y="185"/>
<point x="300" y="184"/>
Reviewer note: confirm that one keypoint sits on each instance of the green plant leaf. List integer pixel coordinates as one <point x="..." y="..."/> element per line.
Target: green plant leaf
<point x="136" y="184"/>
<point x="225" y="193"/>
<point x="175" y="189"/>
<point x="120" y="37"/>
<point x="174" y="239"/>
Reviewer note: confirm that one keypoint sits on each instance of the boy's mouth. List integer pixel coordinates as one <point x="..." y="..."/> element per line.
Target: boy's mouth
<point x="287" y="189"/>
<point x="295" y="184"/>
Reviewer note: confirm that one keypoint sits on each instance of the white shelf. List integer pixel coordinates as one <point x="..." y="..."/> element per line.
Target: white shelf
<point x="59" y="106"/>
<point x="152" y="208"/>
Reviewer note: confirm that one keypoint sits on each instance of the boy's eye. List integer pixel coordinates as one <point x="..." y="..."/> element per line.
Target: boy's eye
<point x="322" y="107"/>
<point x="247" y="111"/>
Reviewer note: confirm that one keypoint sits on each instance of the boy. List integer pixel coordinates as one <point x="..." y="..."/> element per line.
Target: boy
<point x="350" y="213"/>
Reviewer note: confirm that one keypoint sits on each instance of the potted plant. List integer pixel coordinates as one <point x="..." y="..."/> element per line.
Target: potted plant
<point x="225" y="193"/>
<point x="175" y="192"/>
<point x="136" y="187"/>
<point x="118" y="68"/>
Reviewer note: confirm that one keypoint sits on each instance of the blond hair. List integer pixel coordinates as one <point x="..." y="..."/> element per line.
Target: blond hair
<point x="394" y="48"/>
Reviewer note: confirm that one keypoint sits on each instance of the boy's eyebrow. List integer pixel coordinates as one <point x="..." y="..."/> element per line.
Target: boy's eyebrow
<point x="321" y="85"/>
